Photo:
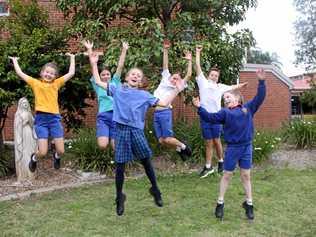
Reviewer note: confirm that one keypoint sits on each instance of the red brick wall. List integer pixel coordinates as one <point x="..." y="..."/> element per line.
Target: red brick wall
<point x="276" y="107"/>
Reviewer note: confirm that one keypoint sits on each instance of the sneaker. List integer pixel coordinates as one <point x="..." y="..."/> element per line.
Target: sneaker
<point x="220" y="167"/>
<point x="32" y="164"/>
<point x="182" y="155"/>
<point x="248" y="210"/>
<point x="206" y="172"/>
<point x="219" y="211"/>
<point x="56" y="161"/>
<point x="157" y="196"/>
<point x="120" y="204"/>
<point x="187" y="151"/>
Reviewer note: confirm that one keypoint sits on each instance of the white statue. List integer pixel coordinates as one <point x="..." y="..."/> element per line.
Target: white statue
<point x="24" y="140"/>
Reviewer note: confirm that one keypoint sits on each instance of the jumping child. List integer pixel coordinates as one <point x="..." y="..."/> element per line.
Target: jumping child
<point x="237" y="119"/>
<point x="163" y="115"/>
<point x="211" y="93"/>
<point x="47" y="119"/>
<point x="105" y="126"/>
<point x="130" y="105"/>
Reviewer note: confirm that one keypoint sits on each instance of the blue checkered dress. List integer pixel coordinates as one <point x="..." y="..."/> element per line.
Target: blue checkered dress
<point x="130" y="143"/>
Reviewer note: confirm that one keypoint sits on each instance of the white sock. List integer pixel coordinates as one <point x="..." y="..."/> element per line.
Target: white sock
<point x="249" y="201"/>
<point x="220" y="201"/>
<point x="220" y="161"/>
<point x="34" y="158"/>
<point x="56" y="155"/>
<point x="178" y="148"/>
<point x="183" y="146"/>
<point x="208" y="166"/>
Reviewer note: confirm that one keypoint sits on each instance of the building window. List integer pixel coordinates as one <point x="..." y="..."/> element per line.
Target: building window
<point x="4" y="8"/>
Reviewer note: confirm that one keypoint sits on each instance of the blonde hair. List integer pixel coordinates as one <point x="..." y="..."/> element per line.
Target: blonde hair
<point x="52" y="65"/>
<point x="237" y="94"/>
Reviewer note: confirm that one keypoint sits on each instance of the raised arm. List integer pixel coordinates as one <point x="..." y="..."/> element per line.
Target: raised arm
<point x="94" y="58"/>
<point x="218" y="117"/>
<point x="121" y="61"/>
<point x="255" y="103"/>
<point x="198" y="50"/>
<point x="17" y="68"/>
<point x="239" y="86"/>
<point x="71" y="71"/>
<point x="166" y="46"/>
<point x="188" y="56"/>
<point x="173" y="94"/>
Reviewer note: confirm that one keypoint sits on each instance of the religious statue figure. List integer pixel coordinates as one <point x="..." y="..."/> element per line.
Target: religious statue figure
<point x="24" y="140"/>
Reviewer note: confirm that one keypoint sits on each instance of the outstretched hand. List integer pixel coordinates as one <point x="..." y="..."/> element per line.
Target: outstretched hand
<point x="94" y="57"/>
<point x="199" y="48"/>
<point x="125" y="45"/>
<point x="166" y="44"/>
<point x="188" y="55"/>
<point x="13" y="58"/>
<point x="87" y="44"/>
<point x="261" y="74"/>
<point x="196" y="101"/>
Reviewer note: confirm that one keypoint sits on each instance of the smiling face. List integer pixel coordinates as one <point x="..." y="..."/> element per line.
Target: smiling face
<point x="48" y="73"/>
<point x="231" y="100"/>
<point x="134" y="77"/>
<point x="213" y="75"/>
<point x="174" y="78"/>
<point x="105" y="75"/>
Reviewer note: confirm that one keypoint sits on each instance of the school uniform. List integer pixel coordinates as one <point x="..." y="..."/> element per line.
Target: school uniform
<point x="238" y="129"/>
<point x="105" y="126"/>
<point x="210" y="96"/>
<point x="47" y="118"/>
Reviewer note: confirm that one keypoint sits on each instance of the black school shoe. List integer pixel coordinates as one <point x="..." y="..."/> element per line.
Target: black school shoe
<point x="120" y="204"/>
<point x="219" y="211"/>
<point x="248" y="210"/>
<point x="56" y="161"/>
<point x="32" y="164"/>
<point x="157" y="196"/>
<point x="187" y="152"/>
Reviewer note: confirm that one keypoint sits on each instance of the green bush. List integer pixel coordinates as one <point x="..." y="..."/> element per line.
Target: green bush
<point x="301" y="133"/>
<point x="83" y="152"/>
<point x="264" y="143"/>
<point x="4" y="166"/>
<point x="6" y="162"/>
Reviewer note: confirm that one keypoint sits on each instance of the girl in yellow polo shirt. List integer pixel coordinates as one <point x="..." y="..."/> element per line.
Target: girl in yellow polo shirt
<point x="47" y="118"/>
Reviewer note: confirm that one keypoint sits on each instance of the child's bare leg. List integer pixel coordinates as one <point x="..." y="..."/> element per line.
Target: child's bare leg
<point x="113" y="144"/>
<point x="42" y="147"/>
<point x="103" y="142"/>
<point x="171" y="141"/>
<point x="218" y="148"/>
<point x="246" y="181"/>
<point x="59" y="146"/>
<point x="208" y="152"/>
<point x="225" y="180"/>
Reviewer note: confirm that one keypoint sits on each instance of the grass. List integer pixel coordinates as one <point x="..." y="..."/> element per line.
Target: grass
<point x="285" y="205"/>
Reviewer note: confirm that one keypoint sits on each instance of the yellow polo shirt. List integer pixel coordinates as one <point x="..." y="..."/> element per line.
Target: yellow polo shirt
<point x="46" y="94"/>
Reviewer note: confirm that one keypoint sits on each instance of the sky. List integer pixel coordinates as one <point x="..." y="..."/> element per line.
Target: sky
<point x="272" y="24"/>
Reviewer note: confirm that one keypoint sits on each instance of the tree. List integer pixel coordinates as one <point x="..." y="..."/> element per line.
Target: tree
<point x="260" y="57"/>
<point x="184" y="23"/>
<point x="309" y="97"/>
<point x="36" y="42"/>
<point x="305" y="27"/>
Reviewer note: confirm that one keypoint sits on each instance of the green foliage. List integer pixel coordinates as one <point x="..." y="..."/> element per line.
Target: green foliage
<point x="264" y="143"/>
<point x="306" y="33"/>
<point x="4" y="165"/>
<point x="261" y="57"/>
<point x="309" y="96"/>
<point x="300" y="133"/>
<point x="184" y="23"/>
<point x="6" y="162"/>
<point x="83" y="152"/>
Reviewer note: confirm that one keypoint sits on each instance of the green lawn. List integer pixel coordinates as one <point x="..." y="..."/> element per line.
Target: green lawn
<point x="285" y="205"/>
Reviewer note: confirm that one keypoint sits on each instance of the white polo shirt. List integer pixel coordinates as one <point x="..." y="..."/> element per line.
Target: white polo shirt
<point x="165" y="87"/>
<point x="211" y="93"/>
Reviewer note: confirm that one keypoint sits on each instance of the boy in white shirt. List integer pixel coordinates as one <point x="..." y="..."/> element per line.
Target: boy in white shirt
<point x="163" y="115"/>
<point x="211" y="93"/>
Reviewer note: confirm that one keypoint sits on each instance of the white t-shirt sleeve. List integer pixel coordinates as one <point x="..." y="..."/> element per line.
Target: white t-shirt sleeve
<point x="201" y="80"/>
<point x="225" y="88"/>
<point x="165" y="74"/>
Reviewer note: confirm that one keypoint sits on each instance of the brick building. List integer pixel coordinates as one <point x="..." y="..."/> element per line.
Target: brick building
<point x="275" y="110"/>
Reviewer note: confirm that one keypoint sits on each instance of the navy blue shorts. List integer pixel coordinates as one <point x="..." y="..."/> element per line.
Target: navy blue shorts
<point x="163" y="123"/>
<point x="209" y="130"/>
<point x="241" y="154"/>
<point x="105" y="125"/>
<point x="48" y="125"/>
<point x="130" y="143"/>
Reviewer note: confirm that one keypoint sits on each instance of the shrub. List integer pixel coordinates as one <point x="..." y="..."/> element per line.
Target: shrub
<point x="301" y="133"/>
<point x="6" y="162"/>
<point x="85" y="154"/>
<point x="264" y="143"/>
